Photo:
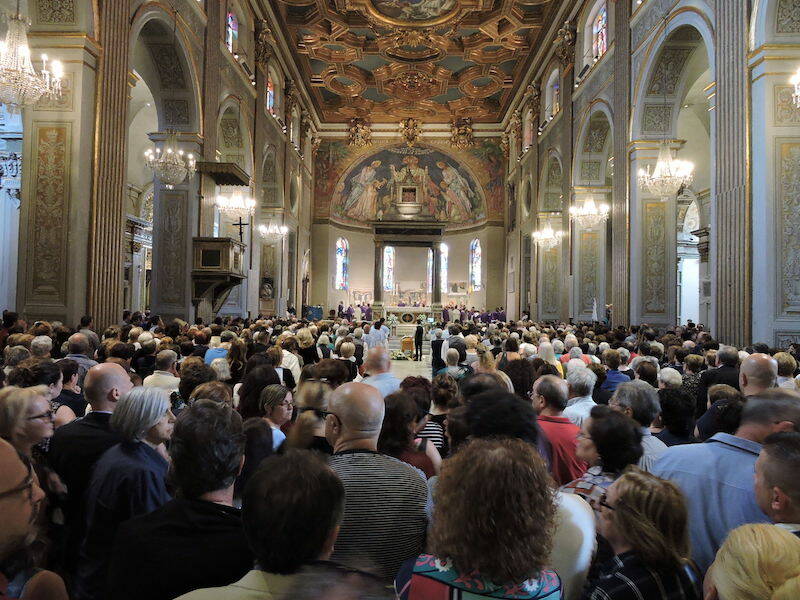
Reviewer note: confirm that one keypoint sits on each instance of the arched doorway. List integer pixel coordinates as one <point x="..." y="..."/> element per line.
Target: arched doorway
<point x="591" y="243"/>
<point x="674" y="101"/>
<point x="164" y="98"/>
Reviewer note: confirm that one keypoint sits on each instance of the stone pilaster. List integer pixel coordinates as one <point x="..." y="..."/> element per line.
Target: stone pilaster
<point x="620" y="240"/>
<point x="731" y="233"/>
<point x="106" y="228"/>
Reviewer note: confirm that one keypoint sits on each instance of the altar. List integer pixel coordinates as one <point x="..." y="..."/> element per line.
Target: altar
<point x="407" y="318"/>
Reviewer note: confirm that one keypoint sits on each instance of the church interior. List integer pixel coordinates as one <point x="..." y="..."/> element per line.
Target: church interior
<point x="628" y="161"/>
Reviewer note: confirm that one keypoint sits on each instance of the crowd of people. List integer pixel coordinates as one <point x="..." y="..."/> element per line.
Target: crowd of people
<point x="282" y="458"/>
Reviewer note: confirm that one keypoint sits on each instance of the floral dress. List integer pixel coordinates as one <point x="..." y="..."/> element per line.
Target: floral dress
<point x="432" y="578"/>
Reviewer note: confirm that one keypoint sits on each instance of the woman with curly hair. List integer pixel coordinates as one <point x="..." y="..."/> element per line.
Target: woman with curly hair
<point x="477" y="545"/>
<point x="645" y="521"/>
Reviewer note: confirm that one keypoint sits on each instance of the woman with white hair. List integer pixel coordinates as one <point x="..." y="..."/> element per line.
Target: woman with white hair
<point x="128" y="480"/>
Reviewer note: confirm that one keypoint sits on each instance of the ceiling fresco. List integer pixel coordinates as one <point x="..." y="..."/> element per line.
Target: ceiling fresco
<point x="434" y="60"/>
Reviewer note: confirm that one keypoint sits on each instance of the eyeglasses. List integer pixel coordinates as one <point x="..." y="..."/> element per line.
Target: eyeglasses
<point x="48" y="416"/>
<point x="25" y="486"/>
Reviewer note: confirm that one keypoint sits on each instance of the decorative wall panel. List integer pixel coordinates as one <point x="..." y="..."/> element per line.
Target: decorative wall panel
<point x="49" y="213"/>
<point x="589" y="250"/>
<point x="55" y="12"/>
<point x="654" y="270"/>
<point x="176" y="111"/>
<point x="786" y="115"/>
<point x="550" y="281"/>
<point x="788" y="16"/>
<point x="667" y="73"/>
<point x="168" y="65"/>
<point x="656" y="118"/>
<point x="590" y="170"/>
<point x="788" y="220"/>
<point x="171" y="246"/>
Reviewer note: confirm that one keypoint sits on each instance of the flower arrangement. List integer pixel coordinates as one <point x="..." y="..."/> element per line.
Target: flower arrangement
<point x="399" y="355"/>
<point x="391" y="320"/>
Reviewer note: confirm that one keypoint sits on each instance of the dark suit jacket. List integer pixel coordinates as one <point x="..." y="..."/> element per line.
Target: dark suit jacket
<point x="182" y="546"/>
<point x="723" y="374"/>
<point x="74" y="450"/>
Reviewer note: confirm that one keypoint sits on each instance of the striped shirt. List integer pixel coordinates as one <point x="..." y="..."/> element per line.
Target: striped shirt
<point x="384" y="520"/>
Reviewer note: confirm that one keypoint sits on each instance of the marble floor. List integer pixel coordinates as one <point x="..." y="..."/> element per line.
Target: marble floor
<point x="405" y="368"/>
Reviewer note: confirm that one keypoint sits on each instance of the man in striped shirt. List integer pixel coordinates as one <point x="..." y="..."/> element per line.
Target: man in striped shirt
<point x="384" y="520"/>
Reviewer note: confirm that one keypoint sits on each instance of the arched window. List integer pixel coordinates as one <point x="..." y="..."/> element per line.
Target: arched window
<point x="388" y="268"/>
<point x="552" y="96"/>
<point x="443" y="268"/>
<point x="475" y="264"/>
<point x="342" y="264"/>
<point x="231" y="31"/>
<point x="600" y="31"/>
<point x="270" y="94"/>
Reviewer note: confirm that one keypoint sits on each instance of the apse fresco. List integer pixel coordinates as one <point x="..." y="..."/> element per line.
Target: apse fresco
<point x="396" y="182"/>
<point x="414" y="10"/>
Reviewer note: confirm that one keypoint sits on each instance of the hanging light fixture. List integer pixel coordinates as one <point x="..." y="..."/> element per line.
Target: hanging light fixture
<point x="235" y="205"/>
<point x="588" y="214"/>
<point x="546" y="238"/>
<point x="669" y="175"/>
<point x="20" y="84"/>
<point x="795" y="81"/>
<point x="273" y="232"/>
<point x="170" y="165"/>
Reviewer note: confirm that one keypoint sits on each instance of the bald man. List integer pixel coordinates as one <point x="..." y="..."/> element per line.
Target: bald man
<point x="384" y="520"/>
<point x="76" y="447"/>
<point x="20" y="498"/>
<point x="758" y="373"/>
<point x="79" y="349"/>
<point x="377" y="366"/>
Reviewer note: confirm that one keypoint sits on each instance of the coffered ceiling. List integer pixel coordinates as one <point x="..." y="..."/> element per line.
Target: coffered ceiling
<point x="435" y="60"/>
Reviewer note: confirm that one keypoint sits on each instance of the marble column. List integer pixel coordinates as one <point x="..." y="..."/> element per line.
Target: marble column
<point x="620" y="241"/>
<point x="731" y="239"/>
<point x="436" y="280"/>
<point x="107" y="221"/>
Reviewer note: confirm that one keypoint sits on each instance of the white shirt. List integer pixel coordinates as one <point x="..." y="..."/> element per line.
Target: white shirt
<point x="162" y="379"/>
<point x="573" y="543"/>
<point x="578" y="409"/>
<point x="291" y="362"/>
<point x="652" y="448"/>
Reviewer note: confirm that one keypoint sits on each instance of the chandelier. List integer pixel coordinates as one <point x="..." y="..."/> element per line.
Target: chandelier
<point x="20" y="84"/>
<point x="669" y="175"/>
<point x="171" y="165"/>
<point x="795" y="81"/>
<point x="273" y="232"/>
<point x="546" y="238"/>
<point x="235" y="205"/>
<point x="589" y="214"/>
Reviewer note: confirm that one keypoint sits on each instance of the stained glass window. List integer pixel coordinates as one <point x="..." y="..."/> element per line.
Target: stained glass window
<point x="388" y="268"/>
<point x="270" y="94"/>
<point x="475" y="265"/>
<point x="342" y="264"/>
<point x="443" y="268"/>
<point x="430" y="270"/>
<point x="231" y="31"/>
<point x="600" y="32"/>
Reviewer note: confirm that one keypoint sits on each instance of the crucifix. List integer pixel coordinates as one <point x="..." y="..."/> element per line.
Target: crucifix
<point x="241" y="225"/>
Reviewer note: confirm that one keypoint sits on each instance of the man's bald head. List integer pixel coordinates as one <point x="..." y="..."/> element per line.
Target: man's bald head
<point x="104" y="384"/>
<point x="758" y="373"/>
<point x="360" y="409"/>
<point x="377" y="361"/>
<point x="79" y="344"/>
